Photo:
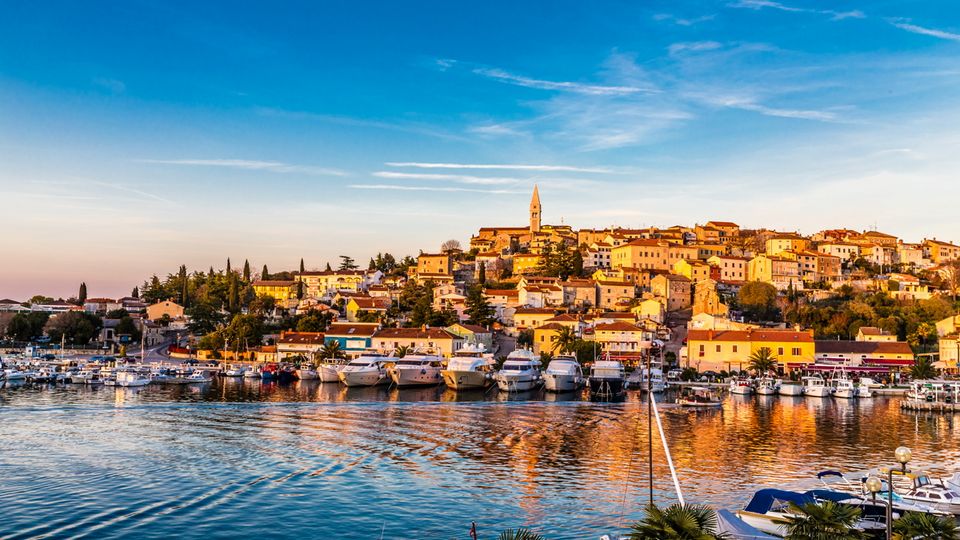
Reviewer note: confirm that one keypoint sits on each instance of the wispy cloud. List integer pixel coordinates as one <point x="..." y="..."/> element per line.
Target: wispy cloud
<point x="693" y="46"/>
<point x="761" y="4"/>
<point x="749" y="104"/>
<point x="405" y="127"/>
<point x="462" y="178"/>
<point x="115" y="86"/>
<point x="250" y="165"/>
<point x="906" y="25"/>
<point x="396" y="187"/>
<point x="682" y="21"/>
<point x="566" y="86"/>
<point x="498" y="166"/>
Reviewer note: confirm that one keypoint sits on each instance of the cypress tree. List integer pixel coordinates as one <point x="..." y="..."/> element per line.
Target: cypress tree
<point x="301" y="265"/>
<point x="246" y="271"/>
<point x="228" y="265"/>
<point x="136" y="292"/>
<point x="265" y="274"/>
<point x="482" y="274"/>
<point x="328" y="267"/>
<point x="233" y="302"/>
<point x="82" y="296"/>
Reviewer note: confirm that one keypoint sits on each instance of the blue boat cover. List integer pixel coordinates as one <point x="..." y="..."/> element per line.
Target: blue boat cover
<point x="764" y="500"/>
<point x="736" y="529"/>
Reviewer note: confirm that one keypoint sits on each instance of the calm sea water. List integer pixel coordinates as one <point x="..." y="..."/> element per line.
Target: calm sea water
<point x="310" y="460"/>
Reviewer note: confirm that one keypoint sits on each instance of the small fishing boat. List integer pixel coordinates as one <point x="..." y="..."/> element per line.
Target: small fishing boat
<point x="563" y="374"/>
<point x="741" y="386"/>
<point x="607" y="379"/>
<point x="416" y="370"/>
<point x="235" y="371"/>
<point x="270" y="372"/>
<point x="767" y="386"/>
<point x="469" y="369"/>
<point x="364" y="371"/>
<point x="655" y="382"/>
<point x="864" y="391"/>
<point x="700" y="397"/>
<point x="520" y="372"/>
<point x="307" y="374"/>
<point x="198" y="377"/>
<point x="843" y="388"/>
<point x="252" y="373"/>
<point x="131" y="377"/>
<point x="919" y="487"/>
<point x="790" y="388"/>
<point x="329" y="371"/>
<point x="814" y="386"/>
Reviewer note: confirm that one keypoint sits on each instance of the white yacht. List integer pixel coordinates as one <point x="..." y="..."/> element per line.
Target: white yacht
<point x="416" y="370"/>
<point x="767" y="386"/>
<point x="131" y="377"/>
<point x="86" y="376"/>
<point x="198" y="377"/>
<point x="469" y="369"/>
<point x="920" y="488"/>
<point x="15" y="375"/>
<point x="607" y="378"/>
<point x="520" y="372"/>
<point x="364" y="371"/>
<point x="563" y="374"/>
<point x="655" y="383"/>
<point x="329" y="371"/>
<point x="814" y="386"/>
<point x="741" y="386"/>
<point x="790" y="388"/>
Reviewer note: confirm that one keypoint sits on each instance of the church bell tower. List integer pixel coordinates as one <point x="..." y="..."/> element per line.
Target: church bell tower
<point x="535" y="211"/>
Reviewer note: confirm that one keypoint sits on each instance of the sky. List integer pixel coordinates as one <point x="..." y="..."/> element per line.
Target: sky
<point x="138" y="136"/>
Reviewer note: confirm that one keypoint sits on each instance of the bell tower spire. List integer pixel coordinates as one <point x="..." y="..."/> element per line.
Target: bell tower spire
<point x="535" y="210"/>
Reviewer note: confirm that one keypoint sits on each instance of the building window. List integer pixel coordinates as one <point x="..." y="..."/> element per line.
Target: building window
<point x="701" y="349"/>
<point x="718" y="348"/>
<point x="734" y="348"/>
<point x="780" y="351"/>
<point x="795" y="351"/>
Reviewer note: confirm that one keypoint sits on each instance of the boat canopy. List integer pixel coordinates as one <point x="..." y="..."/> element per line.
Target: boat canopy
<point x="736" y="528"/>
<point x="766" y="499"/>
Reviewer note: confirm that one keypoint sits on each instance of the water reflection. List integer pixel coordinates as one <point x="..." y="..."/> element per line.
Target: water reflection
<point x="424" y="462"/>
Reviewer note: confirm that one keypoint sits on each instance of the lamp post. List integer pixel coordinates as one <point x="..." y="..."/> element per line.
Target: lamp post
<point x="903" y="455"/>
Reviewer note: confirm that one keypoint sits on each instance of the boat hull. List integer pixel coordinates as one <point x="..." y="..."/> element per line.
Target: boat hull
<point x="741" y="390"/>
<point x="363" y="378"/>
<point x="606" y="386"/>
<point x="699" y="404"/>
<point x="556" y="382"/>
<point x="415" y="377"/>
<point x="790" y="390"/>
<point x="766" y="390"/>
<point x="328" y="373"/>
<point x="508" y="383"/>
<point x="845" y="393"/>
<point x="307" y="374"/>
<point x="817" y="391"/>
<point x="466" y="380"/>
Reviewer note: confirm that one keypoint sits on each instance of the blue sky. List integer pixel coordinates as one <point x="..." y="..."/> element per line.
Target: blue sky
<point x="138" y="136"/>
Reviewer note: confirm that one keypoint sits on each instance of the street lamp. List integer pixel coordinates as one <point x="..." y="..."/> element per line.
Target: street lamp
<point x="903" y="455"/>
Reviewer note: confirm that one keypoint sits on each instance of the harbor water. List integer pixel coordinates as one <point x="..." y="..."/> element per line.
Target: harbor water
<point x="236" y="458"/>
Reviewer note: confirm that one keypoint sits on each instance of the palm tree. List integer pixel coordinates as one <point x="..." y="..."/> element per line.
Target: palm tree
<point x="520" y="534"/>
<point x="677" y="522"/>
<point x="822" y="521"/>
<point x="402" y="351"/>
<point x="762" y="360"/>
<point x="565" y="341"/>
<point x="331" y="349"/>
<point x="923" y="369"/>
<point x="920" y="526"/>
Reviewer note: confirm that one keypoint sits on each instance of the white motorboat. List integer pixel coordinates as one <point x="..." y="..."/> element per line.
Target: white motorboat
<point x="364" y="371"/>
<point x="563" y="374"/>
<point x="252" y="373"/>
<point x="235" y="371"/>
<point x="416" y="370"/>
<point x="790" y="388"/>
<point x="699" y="397"/>
<point x="329" y="371"/>
<point x="469" y="369"/>
<point x="14" y="375"/>
<point x="919" y="487"/>
<point x="85" y="376"/>
<point x="814" y="386"/>
<point x="655" y="384"/>
<point x="131" y="377"/>
<point x="307" y="374"/>
<point x="607" y="379"/>
<point x="740" y="386"/>
<point x="198" y="377"/>
<point x="769" y="509"/>
<point x="520" y="372"/>
<point x="767" y="386"/>
<point x="864" y="391"/>
<point x="843" y="388"/>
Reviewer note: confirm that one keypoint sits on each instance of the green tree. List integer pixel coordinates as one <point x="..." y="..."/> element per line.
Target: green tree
<point x="228" y="265"/>
<point x="27" y="326"/>
<point x="478" y="308"/>
<point x="204" y="318"/>
<point x="264" y="274"/>
<point x="328" y="269"/>
<point x="758" y="300"/>
<point x="826" y="520"/>
<point x="676" y="522"/>
<point x="921" y="526"/>
<point x="117" y="314"/>
<point x="762" y="361"/>
<point x="76" y="327"/>
<point x="314" y="321"/>
<point x="481" y="273"/>
<point x="565" y="340"/>
<point x="923" y="369"/>
<point x="244" y="331"/>
<point x="402" y="351"/>
<point x="246" y="271"/>
<point x="302" y="268"/>
<point x="262" y="305"/>
<point x="135" y="293"/>
<point x="520" y="534"/>
<point x="40" y="299"/>
<point x="82" y="295"/>
<point x="525" y="338"/>
<point x="233" y="300"/>
<point x="347" y="264"/>
<point x="331" y="350"/>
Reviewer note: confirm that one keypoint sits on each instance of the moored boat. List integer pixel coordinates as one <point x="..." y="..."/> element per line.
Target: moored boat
<point x="364" y="371"/>
<point x="843" y="388"/>
<point x="607" y="379"/>
<point x="699" y="397"/>
<point x="767" y="386"/>
<point x="814" y="386"/>
<point x="520" y="372"/>
<point x="563" y="374"/>
<point x="307" y="374"/>
<point x="741" y="386"/>
<point x="469" y="369"/>
<point x="131" y="377"/>
<point x="790" y="388"/>
<point x="416" y="370"/>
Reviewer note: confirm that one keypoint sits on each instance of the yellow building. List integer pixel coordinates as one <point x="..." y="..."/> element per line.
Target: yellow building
<point x="366" y="304"/>
<point x="693" y="270"/>
<point x="327" y="283"/>
<point x="731" y="349"/>
<point x="940" y="252"/>
<point x="545" y="336"/>
<point x="778" y="271"/>
<point x="279" y="290"/>
<point x="435" y="264"/>
<point x="786" y="242"/>
<point x="526" y="263"/>
<point x="427" y="340"/>
<point x="650" y="254"/>
<point x="165" y="307"/>
<point x="729" y="268"/>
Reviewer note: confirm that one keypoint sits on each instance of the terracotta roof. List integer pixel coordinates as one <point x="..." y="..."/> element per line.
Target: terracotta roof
<point x="874" y="331"/>
<point x="722" y="224"/>
<point x="475" y="328"/>
<point x="616" y="327"/>
<point x="550" y="326"/>
<point x="301" y="338"/>
<point x="501" y="292"/>
<point x="760" y="334"/>
<point x="616" y="315"/>
<point x="535" y="311"/>
<point x="939" y="243"/>
<point x="414" y="333"/>
<point x="352" y="329"/>
<point x="331" y="273"/>
<point x="863" y="347"/>
<point x="99" y="301"/>
<point x="564" y="317"/>
<point x="370" y="303"/>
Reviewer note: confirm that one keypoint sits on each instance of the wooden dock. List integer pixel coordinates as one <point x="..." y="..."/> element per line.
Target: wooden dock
<point x="929" y="406"/>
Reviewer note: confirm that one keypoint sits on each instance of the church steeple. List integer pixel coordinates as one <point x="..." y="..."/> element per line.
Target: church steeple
<point x="535" y="210"/>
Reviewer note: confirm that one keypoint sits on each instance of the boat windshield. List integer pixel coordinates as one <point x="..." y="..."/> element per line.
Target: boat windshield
<point x="412" y="363"/>
<point x="517" y="367"/>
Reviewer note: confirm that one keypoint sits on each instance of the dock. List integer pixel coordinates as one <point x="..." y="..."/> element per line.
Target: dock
<point x="929" y="406"/>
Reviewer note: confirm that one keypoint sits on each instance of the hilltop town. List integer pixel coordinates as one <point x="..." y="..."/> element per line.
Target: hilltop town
<point x="705" y="296"/>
